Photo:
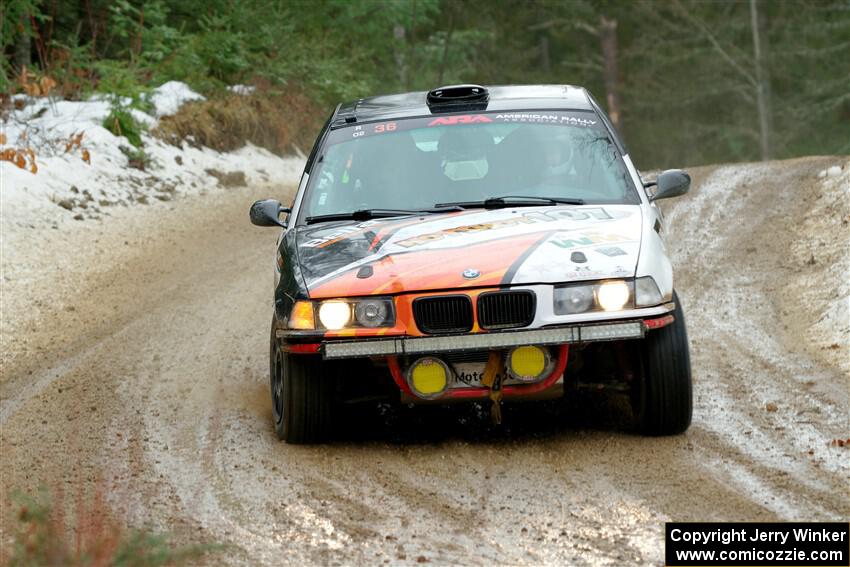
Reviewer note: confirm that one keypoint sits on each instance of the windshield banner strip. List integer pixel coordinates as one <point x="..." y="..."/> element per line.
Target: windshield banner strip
<point x="574" y="118"/>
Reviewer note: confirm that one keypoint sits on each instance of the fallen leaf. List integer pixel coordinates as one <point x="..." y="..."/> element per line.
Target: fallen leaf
<point x="771" y="407"/>
<point x="87" y="157"/>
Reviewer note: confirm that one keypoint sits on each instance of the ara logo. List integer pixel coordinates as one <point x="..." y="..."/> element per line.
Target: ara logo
<point x="466" y="119"/>
<point x="471" y="273"/>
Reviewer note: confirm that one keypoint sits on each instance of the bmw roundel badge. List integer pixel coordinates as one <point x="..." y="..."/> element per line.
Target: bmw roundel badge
<point x="471" y="273"/>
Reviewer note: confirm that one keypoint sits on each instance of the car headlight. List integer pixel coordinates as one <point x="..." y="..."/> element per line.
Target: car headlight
<point x="573" y="299"/>
<point x="374" y="312"/>
<point x="647" y="293"/>
<point x="612" y="295"/>
<point x="334" y="315"/>
<point x="371" y="312"/>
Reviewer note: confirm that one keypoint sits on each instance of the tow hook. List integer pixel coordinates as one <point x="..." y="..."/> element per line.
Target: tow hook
<point x="492" y="379"/>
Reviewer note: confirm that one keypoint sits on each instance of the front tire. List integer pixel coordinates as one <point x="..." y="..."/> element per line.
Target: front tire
<point x="662" y="400"/>
<point x="302" y="397"/>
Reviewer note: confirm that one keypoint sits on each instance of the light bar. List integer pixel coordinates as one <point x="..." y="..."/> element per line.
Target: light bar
<point x="489" y="340"/>
<point x="352" y="349"/>
<point x="484" y="341"/>
<point x="607" y="332"/>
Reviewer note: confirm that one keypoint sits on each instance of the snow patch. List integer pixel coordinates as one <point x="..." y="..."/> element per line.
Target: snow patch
<point x="830" y="215"/>
<point x="242" y="89"/>
<point x="168" y="98"/>
<point x="833" y="171"/>
<point x="80" y="181"/>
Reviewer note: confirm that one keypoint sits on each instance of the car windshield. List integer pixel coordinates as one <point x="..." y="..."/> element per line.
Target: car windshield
<point x="419" y="162"/>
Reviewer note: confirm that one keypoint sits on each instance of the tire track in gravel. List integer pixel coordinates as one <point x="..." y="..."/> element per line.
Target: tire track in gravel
<point x="169" y="407"/>
<point x="733" y="257"/>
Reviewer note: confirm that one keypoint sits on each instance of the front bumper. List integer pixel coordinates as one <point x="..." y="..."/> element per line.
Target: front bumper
<point x="401" y="346"/>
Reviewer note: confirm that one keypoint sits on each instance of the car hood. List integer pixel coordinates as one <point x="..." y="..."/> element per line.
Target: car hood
<point x="474" y="248"/>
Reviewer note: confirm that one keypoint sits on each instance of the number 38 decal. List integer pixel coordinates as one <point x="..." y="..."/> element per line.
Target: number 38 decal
<point x="387" y="127"/>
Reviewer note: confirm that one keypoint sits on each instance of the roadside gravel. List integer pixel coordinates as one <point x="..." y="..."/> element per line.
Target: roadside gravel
<point x="134" y="357"/>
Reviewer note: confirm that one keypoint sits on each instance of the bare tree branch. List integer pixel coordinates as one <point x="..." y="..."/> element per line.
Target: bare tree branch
<point x="565" y="22"/>
<point x="713" y="40"/>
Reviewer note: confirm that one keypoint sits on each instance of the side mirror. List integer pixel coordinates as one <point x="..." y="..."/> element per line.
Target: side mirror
<point x="671" y="183"/>
<point x="267" y="213"/>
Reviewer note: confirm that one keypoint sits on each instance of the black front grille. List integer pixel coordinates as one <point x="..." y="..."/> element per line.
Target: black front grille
<point x="506" y="309"/>
<point x="470" y="356"/>
<point x="444" y="314"/>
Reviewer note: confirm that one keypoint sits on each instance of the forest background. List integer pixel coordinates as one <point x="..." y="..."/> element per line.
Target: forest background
<point x="687" y="82"/>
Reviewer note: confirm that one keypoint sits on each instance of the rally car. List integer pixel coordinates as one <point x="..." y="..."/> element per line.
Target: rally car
<point x="473" y="243"/>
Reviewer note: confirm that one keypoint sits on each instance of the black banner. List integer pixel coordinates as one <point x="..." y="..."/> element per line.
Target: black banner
<point x="746" y="544"/>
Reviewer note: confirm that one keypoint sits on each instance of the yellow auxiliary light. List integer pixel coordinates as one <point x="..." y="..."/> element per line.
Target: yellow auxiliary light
<point x="428" y="377"/>
<point x="528" y="363"/>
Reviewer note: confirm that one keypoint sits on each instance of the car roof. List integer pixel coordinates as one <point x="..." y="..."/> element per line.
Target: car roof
<point x="506" y="98"/>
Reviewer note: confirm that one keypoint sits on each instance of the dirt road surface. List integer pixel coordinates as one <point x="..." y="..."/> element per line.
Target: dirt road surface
<point x="135" y="358"/>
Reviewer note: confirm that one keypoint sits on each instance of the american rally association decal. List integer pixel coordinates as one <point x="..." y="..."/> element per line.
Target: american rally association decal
<point x="466" y="119"/>
<point x="576" y="119"/>
<point x="527" y="117"/>
<point x="515" y="117"/>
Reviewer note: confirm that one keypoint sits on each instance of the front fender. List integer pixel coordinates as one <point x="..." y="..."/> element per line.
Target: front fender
<point x="653" y="260"/>
<point x="289" y="281"/>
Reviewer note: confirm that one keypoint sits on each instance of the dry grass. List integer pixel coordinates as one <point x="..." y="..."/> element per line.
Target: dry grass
<point x="93" y="538"/>
<point x="278" y="121"/>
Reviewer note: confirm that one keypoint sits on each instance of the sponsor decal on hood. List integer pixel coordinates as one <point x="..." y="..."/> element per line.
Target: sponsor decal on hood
<point x="501" y="247"/>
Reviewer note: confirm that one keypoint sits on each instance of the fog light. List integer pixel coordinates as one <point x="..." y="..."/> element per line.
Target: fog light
<point x="612" y="296"/>
<point x="428" y="377"/>
<point x="528" y="363"/>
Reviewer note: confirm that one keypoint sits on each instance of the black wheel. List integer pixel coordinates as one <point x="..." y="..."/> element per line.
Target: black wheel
<point x="662" y="399"/>
<point x="302" y="396"/>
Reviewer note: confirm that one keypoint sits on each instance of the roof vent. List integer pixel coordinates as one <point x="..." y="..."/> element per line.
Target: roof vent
<point x="458" y="97"/>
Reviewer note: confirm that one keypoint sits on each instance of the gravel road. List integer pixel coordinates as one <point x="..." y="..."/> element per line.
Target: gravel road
<point x="135" y="358"/>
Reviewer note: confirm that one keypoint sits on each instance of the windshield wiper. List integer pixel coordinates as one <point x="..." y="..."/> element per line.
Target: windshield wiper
<point x="515" y="201"/>
<point x="369" y="214"/>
